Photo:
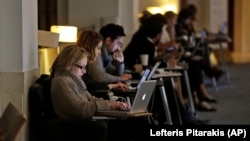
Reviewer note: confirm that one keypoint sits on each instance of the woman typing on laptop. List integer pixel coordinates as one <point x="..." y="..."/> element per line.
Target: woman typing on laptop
<point x="70" y="97"/>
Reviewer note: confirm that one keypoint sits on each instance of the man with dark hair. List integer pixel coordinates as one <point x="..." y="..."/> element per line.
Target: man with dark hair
<point x="109" y="67"/>
<point x="144" y="41"/>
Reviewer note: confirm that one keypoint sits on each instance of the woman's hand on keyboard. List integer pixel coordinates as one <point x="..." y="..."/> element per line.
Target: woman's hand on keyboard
<point x="120" y="105"/>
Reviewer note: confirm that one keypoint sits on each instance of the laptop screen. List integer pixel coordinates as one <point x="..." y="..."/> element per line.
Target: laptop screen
<point x="157" y="64"/>
<point x="144" y="77"/>
<point x="223" y="28"/>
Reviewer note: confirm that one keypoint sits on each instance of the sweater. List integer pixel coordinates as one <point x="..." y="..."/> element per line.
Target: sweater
<point x="105" y="69"/>
<point x="70" y="98"/>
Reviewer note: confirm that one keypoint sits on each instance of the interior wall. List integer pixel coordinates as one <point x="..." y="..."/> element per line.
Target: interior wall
<point x="145" y="3"/>
<point x="240" y="31"/>
<point x="83" y="13"/>
<point x="211" y="14"/>
<point x="245" y="25"/>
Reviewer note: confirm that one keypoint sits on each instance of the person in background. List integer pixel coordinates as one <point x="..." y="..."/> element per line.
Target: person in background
<point x="109" y="67"/>
<point x="92" y="42"/>
<point x="197" y="64"/>
<point x="169" y="46"/>
<point x="144" y="41"/>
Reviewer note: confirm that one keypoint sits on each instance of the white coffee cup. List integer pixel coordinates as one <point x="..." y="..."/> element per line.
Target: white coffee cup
<point x="144" y="59"/>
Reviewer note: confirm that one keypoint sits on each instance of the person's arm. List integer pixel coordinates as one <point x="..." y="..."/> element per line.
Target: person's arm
<point x="70" y="103"/>
<point x="92" y="86"/>
<point x="117" y="68"/>
<point x="98" y="73"/>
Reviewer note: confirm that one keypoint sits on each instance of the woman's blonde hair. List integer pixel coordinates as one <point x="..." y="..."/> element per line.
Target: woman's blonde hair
<point x="68" y="57"/>
<point x="89" y="39"/>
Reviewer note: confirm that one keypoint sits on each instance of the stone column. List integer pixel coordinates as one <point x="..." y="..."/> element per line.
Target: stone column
<point x="18" y="54"/>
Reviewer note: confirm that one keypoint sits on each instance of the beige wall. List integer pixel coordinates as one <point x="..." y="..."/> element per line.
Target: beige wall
<point x="241" y="52"/>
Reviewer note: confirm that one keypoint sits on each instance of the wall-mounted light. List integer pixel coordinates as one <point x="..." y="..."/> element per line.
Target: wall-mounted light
<point x="170" y="7"/>
<point x="67" y="33"/>
<point x="155" y="9"/>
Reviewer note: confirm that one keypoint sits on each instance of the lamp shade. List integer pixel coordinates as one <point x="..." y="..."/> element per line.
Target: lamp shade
<point x="67" y="33"/>
<point x="48" y="39"/>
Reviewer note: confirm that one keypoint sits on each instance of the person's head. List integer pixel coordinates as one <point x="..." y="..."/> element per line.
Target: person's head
<point x="171" y="18"/>
<point x="145" y="15"/>
<point x="155" y="17"/>
<point x="113" y="36"/>
<point x="153" y="28"/>
<point x="72" y="58"/>
<point x="193" y="11"/>
<point x="185" y="16"/>
<point x="92" y="42"/>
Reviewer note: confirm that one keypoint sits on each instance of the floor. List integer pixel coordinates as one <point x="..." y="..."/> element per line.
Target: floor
<point x="233" y="94"/>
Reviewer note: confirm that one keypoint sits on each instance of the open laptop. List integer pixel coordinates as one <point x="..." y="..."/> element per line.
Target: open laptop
<point x="201" y="41"/>
<point x="134" y="85"/>
<point x="223" y="28"/>
<point x="157" y="64"/>
<point x="140" y="103"/>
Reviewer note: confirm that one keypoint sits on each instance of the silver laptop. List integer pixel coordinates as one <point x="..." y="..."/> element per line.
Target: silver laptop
<point x="143" y="78"/>
<point x="157" y="64"/>
<point x="223" y="28"/>
<point x="140" y="102"/>
<point x="201" y="41"/>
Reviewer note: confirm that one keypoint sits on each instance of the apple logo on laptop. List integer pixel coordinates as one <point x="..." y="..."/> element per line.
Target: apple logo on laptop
<point x="143" y="97"/>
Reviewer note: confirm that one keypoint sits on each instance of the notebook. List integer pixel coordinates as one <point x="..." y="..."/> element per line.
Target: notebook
<point x="140" y="103"/>
<point x="157" y="64"/>
<point x="143" y="78"/>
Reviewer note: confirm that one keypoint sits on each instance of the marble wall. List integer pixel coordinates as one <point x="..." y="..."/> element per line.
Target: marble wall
<point x="14" y="87"/>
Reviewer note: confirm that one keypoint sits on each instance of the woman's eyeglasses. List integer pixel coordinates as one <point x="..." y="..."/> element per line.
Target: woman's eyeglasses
<point x="81" y="67"/>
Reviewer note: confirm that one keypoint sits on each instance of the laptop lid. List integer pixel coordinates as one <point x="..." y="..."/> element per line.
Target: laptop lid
<point x="157" y="64"/>
<point x="202" y="40"/>
<point x="144" y="77"/>
<point x="223" y="28"/>
<point x="143" y="96"/>
<point x="139" y="104"/>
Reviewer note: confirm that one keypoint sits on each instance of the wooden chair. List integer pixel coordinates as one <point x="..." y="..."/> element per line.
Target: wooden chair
<point x="11" y="121"/>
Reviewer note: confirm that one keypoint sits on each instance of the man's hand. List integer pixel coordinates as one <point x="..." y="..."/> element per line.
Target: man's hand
<point x="118" y="56"/>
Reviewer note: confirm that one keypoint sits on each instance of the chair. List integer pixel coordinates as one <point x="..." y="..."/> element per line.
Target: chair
<point x="45" y="125"/>
<point x="12" y="120"/>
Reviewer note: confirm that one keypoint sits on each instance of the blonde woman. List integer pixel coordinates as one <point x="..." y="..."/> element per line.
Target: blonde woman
<point x="71" y="99"/>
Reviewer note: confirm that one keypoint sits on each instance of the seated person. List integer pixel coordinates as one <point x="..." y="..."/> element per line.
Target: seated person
<point x="70" y="97"/>
<point x="92" y="42"/>
<point x="144" y="41"/>
<point x="197" y="64"/>
<point x="109" y="67"/>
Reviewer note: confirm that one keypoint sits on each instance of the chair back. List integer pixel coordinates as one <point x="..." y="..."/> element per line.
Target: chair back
<point x="40" y="104"/>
